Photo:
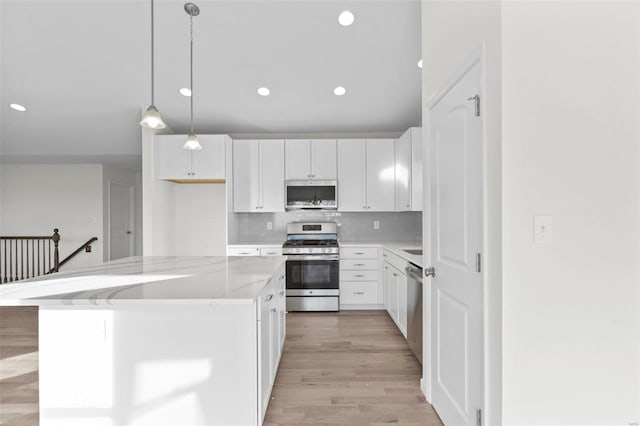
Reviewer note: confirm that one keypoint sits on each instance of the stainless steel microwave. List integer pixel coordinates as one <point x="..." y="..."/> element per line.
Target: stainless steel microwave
<point x="311" y="194"/>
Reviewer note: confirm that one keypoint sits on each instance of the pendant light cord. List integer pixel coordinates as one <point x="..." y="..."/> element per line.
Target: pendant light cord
<point x="191" y="71"/>
<point x="152" y="58"/>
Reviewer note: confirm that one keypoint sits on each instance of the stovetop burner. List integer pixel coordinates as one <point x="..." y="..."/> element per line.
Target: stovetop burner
<point x="318" y="243"/>
<point x="311" y="239"/>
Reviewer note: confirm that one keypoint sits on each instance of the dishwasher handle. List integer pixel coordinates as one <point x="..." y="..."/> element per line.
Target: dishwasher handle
<point x="414" y="273"/>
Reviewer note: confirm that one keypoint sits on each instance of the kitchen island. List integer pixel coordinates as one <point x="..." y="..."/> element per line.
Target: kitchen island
<point x="158" y="340"/>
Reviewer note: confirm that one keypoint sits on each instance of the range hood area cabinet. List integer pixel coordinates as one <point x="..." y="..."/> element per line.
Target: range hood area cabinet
<point x="366" y="175"/>
<point x="258" y="176"/>
<point x="176" y="164"/>
<point x="408" y="153"/>
<point x="310" y="159"/>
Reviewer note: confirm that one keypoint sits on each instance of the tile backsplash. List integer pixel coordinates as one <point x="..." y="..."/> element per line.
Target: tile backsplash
<point x="352" y="227"/>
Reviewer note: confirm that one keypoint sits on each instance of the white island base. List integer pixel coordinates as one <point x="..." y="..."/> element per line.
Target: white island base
<point x="161" y="362"/>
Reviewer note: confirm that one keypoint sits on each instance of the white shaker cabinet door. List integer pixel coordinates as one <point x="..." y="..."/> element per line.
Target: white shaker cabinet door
<point x="352" y="177"/>
<point x="209" y="162"/>
<point x="172" y="161"/>
<point x="416" y="169"/>
<point x="246" y="181"/>
<point x="324" y="159"/>
<point x="380" y="175"/>
<point x="297" y="159"/>
<point x="272" y="175"/>
<point x="403" y="172"/>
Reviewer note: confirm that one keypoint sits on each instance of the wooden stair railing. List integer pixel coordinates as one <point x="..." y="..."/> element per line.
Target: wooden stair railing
<point x="24" y="257"/>
<point x="75" y="252"/>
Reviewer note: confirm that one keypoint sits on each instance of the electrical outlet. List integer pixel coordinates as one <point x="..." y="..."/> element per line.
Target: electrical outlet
<point x="376" y="224"/>
<point x="269" y="226"/>
<point x="542" y="229"/>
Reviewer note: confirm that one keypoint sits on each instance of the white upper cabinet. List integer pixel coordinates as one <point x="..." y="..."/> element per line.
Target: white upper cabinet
<point x="403" y="172"/>
<point x="366" y="175"/>
<point x="272" y="175"/>
<point x="172" y="162"/>
<point x="409" y="170"/>
<point x="352" y="175"/>
<point x="258" y="175"/>
<point x="324" y="161"/>
<point x="297" y="159"/>
<point x="380" y="175"/>
<point x="416" y="168"/>
<point x="310" y="159"/>
<point x="209" y="162"/>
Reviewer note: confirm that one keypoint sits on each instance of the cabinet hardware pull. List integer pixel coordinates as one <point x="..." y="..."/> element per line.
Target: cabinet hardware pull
<point x="358" y="292"/>
<point x="358" y="264"/>
<point x="395" y="275"/>
<point x="359" y="253"/>
<point x="268" y="298"/>
<point x="273" y="309"/>
<point x="359" y="276"/>
<point x="282" y="293"/>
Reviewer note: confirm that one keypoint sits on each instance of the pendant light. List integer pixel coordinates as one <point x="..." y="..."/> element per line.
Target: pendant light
<point x="192" y="139"/>
<point x="151" y="118"/>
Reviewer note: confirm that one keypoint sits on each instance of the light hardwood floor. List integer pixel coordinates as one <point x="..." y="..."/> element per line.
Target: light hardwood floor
<point x="351" y="367"/>
<point x="19" y="366"/>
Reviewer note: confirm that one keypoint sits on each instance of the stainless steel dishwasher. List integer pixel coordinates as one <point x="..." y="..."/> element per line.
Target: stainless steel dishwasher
<point x="414" y="309"/>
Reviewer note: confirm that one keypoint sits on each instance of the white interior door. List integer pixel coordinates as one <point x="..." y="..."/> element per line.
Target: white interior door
<point x="455" y="167"/>
<point x="121" y="221"/>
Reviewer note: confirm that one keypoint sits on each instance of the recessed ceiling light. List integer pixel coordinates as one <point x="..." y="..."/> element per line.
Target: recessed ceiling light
<point x="420" y="63"/>
<point x="339" y="91"/>
<point x="263" y="91"/>
<point x="346" y="18"/>
<point x="185" y="91"/>
<point x="18" y="107"/>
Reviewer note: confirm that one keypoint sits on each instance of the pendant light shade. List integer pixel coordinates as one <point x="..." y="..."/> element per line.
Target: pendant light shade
<point x="151" y="118"/>
<point x="192" y="142"/>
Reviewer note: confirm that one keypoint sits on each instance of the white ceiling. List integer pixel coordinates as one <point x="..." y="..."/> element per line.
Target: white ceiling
<point x="82" y="69"/>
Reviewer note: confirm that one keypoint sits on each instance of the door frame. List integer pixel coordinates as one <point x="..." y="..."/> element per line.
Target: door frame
<point x="132" y="217"/>
<point x="476" y="56"/>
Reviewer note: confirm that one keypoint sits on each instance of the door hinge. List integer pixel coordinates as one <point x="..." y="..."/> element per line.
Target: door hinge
<point x="478" y="417"/>
<point x="478" y="262"/>
<point x="476" y="99"/>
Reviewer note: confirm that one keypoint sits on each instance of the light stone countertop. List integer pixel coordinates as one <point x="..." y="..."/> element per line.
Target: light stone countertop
<point x="149" y="280"/>
<point x="395" y="247"/>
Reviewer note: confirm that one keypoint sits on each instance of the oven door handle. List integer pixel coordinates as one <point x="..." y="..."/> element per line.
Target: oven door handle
<point x="329" y="257"/>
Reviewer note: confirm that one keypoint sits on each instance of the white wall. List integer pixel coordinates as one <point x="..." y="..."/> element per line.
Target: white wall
<point x="200" y="219"/>
<point x="570" y="132"/>
<point x="157" y="204"/>
<point x="451" y="31"/>
<point x="34" y="199"/>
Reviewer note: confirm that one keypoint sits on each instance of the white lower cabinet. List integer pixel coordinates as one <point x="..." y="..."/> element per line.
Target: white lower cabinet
<point x="271" y="333"/>
<point x="358" y="277"/>
<point x="395" y="290"/>
<point x="250" y="250"/>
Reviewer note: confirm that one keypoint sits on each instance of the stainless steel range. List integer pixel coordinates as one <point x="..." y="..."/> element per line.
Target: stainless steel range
<point x="312" y="266"/>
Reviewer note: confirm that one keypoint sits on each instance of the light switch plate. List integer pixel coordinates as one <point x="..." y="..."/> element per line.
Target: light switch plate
<point x="542" y="229"/>
<point x="269" y="226"/>
<point x="376" y="224"/>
